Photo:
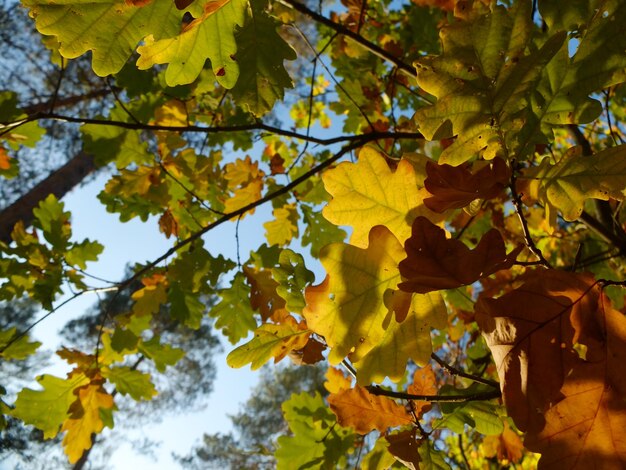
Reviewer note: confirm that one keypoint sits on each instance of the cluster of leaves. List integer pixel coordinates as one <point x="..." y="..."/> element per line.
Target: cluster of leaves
<point x="483" y="202"/>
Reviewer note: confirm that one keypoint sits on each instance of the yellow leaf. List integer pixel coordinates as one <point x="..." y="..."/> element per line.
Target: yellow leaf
<point x="148" y="300"/>
<point x="336" y="380"/>
<point x="284" y="227"/>
<point x="347" y="308"/>
<point x="241" y="172"/>
<point x="365" y="412"/>
<point x="367" y="193"/>
<point x="409" y="339"/>
<point x="85" y="419"/>
<point x="244" y="196"/>
<point x="172" y="113"/>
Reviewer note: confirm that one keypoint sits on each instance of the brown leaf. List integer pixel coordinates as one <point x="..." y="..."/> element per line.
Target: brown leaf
<point x="434" y="262"/>
<point x="309" y="354"/>
<point x="168" y="224"/>
<point x="507" y="446"/>
<point x="572" y="407"/>
<point x="182" y="4"/>
<point x="365" y="412"/>
<point x="456" y="186"/>
<point x="263" y="295"/>
<point x="404" y="447"/>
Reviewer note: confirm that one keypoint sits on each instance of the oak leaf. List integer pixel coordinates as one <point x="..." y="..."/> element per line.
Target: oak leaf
<point x="434" y="262"/>
<point x="367" y="193"/>
<point x="404" y="447"/>
<point x="336" y="380"/>
<point x="424" y="383"/>
<point x="347" y="307"/>
<point x="453" y="187"/>
<point x="571" y="405"/>
<point x="85" y="419"/>
<point x="364" y="412"/>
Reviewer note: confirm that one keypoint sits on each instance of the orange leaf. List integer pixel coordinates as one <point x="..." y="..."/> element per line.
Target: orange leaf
<point x="424" y="383"/>
<point x="5" y="159"/>
<point x="336" y="380"/>
<point x="456" y="186"/>
<point x="507" y="446"/>
<point x="365" y="412"/>
<point x="434" y="262"/>
<point x="168" y="224"/>
<point x="571" y="407"/>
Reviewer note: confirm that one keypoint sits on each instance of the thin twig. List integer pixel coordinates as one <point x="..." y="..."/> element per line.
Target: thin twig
<point x="458" y="372"/>
<point x="519" y="209"/>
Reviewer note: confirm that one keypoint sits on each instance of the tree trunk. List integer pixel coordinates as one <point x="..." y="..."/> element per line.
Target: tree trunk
<point x="59" y="183"/>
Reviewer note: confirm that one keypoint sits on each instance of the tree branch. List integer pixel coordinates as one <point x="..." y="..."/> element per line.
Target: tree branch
<point x="377" y="390"/>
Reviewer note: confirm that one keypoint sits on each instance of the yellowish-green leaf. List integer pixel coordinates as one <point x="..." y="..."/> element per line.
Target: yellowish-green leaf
<point x="347" y="309"/>
<point x="409" y="339"/>
<point x="284" y="227"/>
<point x="575" y="178"/>
<point x="269" y="341"/>
<point x="210" y="36"/>
<point x="19" y="348"/>
<point x="367" y="193"/>
<point x="47" y="409"/>
<point x="110" y="29"/>
<point x="483" y="82"/>
<point x="131" y="382"/>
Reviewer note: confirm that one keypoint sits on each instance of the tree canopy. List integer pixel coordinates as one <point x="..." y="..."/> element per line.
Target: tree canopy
<point x="457" y="169"/>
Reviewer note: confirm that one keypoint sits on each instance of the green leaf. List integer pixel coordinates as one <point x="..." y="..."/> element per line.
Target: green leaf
<point x="210" y="36"/>
<point x="110" y="29"/>
<point x="262" y="51"/>
<point x="431" y="459"/>
<point x="163" y="355"/>
<point x="480" y="415"/>
<point x="124" y="340"/>
<point x="483" y="82"/>
<point x="47" y="409"/>
<point x="234" y="315"/>
<point x="19" y="349"/>
<point x="319" y="232"/>
<point x="269" y="341"/>
<point x="131" y="382"/>
<point x="80" y="253"/>
<point x="185" y="306"/>
<point x="53" y="221"/>
<point x="292" y="277"/>
<point x="317" y="440"/>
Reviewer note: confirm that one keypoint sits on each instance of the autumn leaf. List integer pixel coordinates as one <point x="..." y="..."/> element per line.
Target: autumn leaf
<point x="455" y="187"/>
<point x="264" y="297"/>
<point x="211" y="35"/>
<point x="336" y="380"/>
<point x="85" y="419"/>
<point x="148" y="299"/>
<point x="364" y="412"/>
<point x="347" y="307"/>
<point x="566" y="185"/>
<point x="284" y="227"/>
<point x="424" y="383"/>
<point x="269" y="341"/>
<point x="570" y="406"/>
<point x="404" y="447"/>
<point x="48" y="408"/>
<point x="408" y="339"/>
<point x="507" y="446"/>
<point x="367" y="193"/>
<point x="434" y="262"/>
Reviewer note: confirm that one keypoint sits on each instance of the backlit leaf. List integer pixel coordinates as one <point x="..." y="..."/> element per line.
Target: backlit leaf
<point x="347" y="308"/>
<point x="434" y="262"/>
<point x="364" y="412"/>
<point x="269" y="341"/>
<point x="368" y="193"/>
<point x="131" y="382"/>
